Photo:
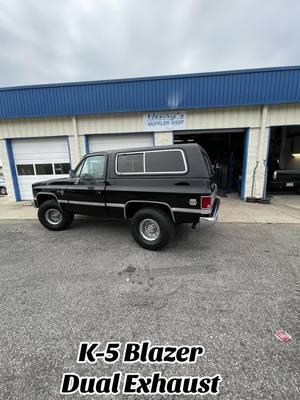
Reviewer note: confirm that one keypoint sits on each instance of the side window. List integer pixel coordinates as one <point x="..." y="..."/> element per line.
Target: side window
<point x="130" y="163"/>
<point x="93" y="168"/>
<point x="165" y="161"/>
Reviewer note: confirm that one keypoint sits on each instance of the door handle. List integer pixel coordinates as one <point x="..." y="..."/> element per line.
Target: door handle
<point x="182" y="184"/>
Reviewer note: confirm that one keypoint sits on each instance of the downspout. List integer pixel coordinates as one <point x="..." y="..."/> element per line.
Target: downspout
<point x="260" y="152"/>
<point x="263" y="150"/>
<point x="261" y="158"/>
<point x="264" y="198"/>
<point x="253" y="179"/>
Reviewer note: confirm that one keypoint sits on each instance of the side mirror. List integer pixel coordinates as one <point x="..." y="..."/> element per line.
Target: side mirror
<point x="72" y="173"/>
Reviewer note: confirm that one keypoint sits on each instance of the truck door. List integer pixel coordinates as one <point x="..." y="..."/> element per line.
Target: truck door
<point x="87" y="194"/>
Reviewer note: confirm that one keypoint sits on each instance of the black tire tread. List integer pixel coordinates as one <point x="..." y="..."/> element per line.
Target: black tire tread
<point x="66" y="221"/>
<point x="167" y="227"/>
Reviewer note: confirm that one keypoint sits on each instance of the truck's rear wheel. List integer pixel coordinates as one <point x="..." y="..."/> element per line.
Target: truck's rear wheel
<point x="152" y="228"/>
<point x="52" y="217"/>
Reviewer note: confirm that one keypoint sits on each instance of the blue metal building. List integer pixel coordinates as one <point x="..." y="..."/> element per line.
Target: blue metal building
<point x="44" y="129"/>
<point x="193" y="91"/>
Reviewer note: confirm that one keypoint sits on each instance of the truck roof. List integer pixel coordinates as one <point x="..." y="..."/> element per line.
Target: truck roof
<point x="182" y="146"/>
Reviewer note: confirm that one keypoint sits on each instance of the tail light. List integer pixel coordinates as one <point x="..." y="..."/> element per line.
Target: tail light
<point x="206" y="202"/>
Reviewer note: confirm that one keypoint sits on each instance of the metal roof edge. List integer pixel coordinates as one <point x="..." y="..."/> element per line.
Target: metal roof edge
<point x="152" y="78"/>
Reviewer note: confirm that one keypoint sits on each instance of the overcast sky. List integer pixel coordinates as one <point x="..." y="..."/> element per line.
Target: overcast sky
<point x="45" y="41"/>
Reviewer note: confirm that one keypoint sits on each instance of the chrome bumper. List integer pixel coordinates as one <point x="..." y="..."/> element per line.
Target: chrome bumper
<point x="213" y="217"/>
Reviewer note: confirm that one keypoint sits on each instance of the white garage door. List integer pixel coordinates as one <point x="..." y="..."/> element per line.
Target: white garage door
<point x="38" y="160"/>
<point x="119" y="141"/>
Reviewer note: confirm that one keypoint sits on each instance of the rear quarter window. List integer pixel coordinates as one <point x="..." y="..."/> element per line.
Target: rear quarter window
<point x="151" y="162"/>
<point x="165" y="161"/>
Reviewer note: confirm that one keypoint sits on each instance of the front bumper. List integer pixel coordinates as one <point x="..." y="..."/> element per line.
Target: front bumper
<point x="213" y="217"/>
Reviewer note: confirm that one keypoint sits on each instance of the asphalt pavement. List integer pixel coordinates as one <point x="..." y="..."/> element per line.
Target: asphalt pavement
<point x="228" y="288"/>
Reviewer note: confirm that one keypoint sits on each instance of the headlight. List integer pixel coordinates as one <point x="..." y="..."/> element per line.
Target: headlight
<point x="274" y="174"/>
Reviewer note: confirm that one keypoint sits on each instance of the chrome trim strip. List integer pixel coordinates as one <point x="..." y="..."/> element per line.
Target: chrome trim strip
<point x="115" y="205"/>
<point x="73" y="187"/>
<point x="63" y="201"/>
<point x="144" y="163"/>
<point x="191" y="210"/>
<point x="150" y="202"/>
<point x="86" y="203"/>
<point x="52" y="187"/>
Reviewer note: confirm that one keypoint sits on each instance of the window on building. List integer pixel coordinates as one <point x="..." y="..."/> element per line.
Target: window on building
<point x="44" y="169"/>
<point x="93" y="167"/>
<point x="25" y="169"/>
<point x="61" y="169"/>
<point x="165" y="161"/>
<point x="130" y="163"/>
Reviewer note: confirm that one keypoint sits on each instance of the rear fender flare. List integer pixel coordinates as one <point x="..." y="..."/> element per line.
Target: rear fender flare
<point x="147" y="202"/>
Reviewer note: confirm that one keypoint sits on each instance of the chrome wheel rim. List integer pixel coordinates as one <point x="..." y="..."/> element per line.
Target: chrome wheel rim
<point x="149" y="229"/>
<point x="53" y="216"/>
<point x="2" y="191"/>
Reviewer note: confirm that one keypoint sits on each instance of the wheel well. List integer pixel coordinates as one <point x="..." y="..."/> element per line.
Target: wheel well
<point x="41" y="198"/>
<point x="133" y="207"/>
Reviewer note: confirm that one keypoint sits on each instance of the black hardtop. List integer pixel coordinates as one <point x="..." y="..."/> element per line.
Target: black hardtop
<point x="187" y="147"/>
<point x="197" y="166"/>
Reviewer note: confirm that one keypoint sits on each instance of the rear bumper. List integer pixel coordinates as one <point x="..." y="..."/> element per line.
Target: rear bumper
<point x="213" y="217"/>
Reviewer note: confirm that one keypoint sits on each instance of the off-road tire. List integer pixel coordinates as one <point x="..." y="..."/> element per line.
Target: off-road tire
<point x="65" y="218"/>
<point x="161" y="219"/>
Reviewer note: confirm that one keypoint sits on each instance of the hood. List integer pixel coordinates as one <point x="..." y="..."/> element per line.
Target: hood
<point x="50" y="182"/>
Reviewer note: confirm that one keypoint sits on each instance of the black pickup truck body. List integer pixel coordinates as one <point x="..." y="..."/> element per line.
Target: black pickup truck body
<point x="175" y="180"/>
<point x="284" y="179"/>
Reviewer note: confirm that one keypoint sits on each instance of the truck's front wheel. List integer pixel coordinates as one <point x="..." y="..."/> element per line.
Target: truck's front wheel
<point x="152" y="228"/>
<point x="52" y="217"/>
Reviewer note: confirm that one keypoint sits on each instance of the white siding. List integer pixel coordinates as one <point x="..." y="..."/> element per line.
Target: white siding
<point x="284" y="114"/>
<point x="219" y="118"/>
<point x="163" y="138"/>
<point x="223" y="118"/>
<point x="123" y="141"/>
<point x="113" y="123"/>
<point x="256" y="155"/>
<point x="35" y="127"/>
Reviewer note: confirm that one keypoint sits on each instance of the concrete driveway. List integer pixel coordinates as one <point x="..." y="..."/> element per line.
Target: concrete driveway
<point x="228" y="288"/>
